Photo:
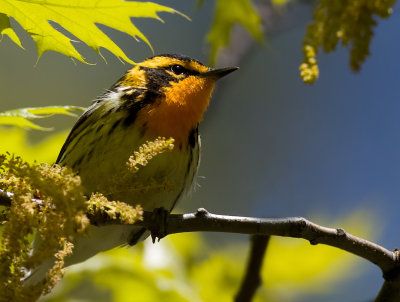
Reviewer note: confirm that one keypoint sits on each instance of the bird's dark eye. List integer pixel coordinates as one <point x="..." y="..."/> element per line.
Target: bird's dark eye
<point x="177" y="69"/>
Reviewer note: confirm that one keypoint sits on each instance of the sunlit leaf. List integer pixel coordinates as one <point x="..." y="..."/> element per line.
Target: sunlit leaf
<point x="14" y="140"/>
<point x="6" y="29"/>
<point x="80" y="19"/>
<point x="227" y="13"/>
<point x="21" y="117"/>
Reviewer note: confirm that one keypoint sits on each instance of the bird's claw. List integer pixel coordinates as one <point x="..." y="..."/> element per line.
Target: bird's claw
<point x="158" y="223"/>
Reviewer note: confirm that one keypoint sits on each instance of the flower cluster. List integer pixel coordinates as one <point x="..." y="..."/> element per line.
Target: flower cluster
<point x="350" y="22"/>
<point x="47" y="210"/>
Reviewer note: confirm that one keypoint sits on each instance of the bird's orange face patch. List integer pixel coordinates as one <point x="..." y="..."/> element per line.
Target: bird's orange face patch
<point x="183" y="97"/>
<point x="180" y="109"/>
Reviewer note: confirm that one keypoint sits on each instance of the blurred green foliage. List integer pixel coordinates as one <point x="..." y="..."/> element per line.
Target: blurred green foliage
<point x="14" y="140"/>
<point x="240" y="11"/>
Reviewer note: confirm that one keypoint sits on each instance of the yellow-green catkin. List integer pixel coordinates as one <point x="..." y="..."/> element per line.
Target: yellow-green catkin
<point x="55" y="219"/>
<point x="147" y="151"/>
<point x="48" y="206"/>
<point x="99" y="206"/>
<point x="350" y="22"/>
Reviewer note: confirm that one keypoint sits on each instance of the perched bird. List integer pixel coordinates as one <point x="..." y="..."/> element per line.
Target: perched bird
<point x="163" y="96"/>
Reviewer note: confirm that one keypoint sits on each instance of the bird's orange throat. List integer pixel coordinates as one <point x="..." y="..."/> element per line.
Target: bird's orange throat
<point x="179" y="110"/>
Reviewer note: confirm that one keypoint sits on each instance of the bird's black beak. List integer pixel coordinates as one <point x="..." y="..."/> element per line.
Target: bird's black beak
<point x="218" y="73"/>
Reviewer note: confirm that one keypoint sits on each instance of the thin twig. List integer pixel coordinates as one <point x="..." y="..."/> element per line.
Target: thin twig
<point x="252" y="279"/>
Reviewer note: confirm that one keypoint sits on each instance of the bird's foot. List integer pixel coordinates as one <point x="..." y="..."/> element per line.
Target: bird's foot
<point x="158" y="224"/>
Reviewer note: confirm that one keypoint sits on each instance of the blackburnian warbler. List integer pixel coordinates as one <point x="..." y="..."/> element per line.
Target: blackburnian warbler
<point x="163" y="96"/>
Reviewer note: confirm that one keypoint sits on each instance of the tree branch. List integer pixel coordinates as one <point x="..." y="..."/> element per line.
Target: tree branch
<point x="252" y="279"/>
<point x="296" y="227"/>
<point x="390" y="290"/>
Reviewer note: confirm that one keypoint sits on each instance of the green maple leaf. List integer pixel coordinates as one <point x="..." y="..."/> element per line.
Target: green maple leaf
<point x="21" y="117"/>
<point x="6" y="29"/>
<point x="227" y="13"/>
<point x="80" y="19"/>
